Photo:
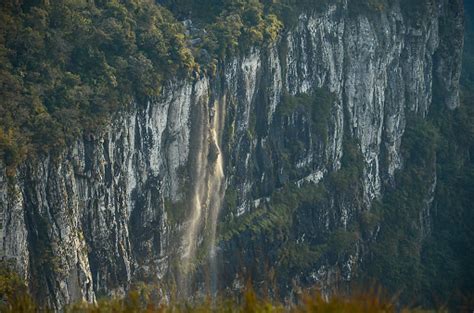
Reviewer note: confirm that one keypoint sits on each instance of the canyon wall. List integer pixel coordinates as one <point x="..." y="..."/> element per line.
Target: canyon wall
<point x="117" y="206"/>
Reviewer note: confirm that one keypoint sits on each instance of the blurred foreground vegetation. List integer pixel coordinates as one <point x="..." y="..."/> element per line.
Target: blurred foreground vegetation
<point x="14" y="298"/>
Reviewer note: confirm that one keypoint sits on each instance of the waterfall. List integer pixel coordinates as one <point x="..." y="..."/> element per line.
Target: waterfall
<point x="216" y="193"/>
<point x="206" y="200"/>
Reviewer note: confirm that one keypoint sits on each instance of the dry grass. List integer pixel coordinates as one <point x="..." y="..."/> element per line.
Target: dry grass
<point x="15" y="298"/>
<point x="248" y="303"/>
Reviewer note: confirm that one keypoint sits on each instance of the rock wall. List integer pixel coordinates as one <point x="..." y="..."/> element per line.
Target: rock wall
<point x="112" y="208"/>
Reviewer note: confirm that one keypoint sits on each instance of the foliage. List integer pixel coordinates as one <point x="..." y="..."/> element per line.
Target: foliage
<point x="15" y="298"/>
<point x="396" y="255"/>
<point x="432" y="259"/>
<point x="232" y="26"/>
<point x="297" y="257"/>
<point x="176" y="211"/>
<point x="367" y="6"/>
<point x="286" y="230"/>
<point x="250" y="302"/>
<point x="11" y="149"/>
<point x="414" y="9"/>
<point x="65" y="65"/>
<point x="342" y="241"/>
<point x="13" y="292"/>
<point x="277" y="216"/>
<point x="347" y="180"/>
<point x="239" y="26"/>
<point x="318" y="104"/>
<point x="315" y="111"/>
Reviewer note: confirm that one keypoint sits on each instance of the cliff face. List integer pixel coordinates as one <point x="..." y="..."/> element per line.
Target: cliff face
<point x="115" y="207"/>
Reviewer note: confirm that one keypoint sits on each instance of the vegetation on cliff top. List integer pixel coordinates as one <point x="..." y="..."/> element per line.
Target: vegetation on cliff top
<point x="66" y="65"/>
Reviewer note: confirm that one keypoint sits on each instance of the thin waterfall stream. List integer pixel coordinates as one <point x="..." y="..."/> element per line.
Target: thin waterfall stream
<point x="206" y="200"/>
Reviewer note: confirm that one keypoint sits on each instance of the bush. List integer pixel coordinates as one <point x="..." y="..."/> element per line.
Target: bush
<point x="14" y="295"/>
<point x="14" y="298"/>
<point x="66" y="66"/>
<point x="12" y="150"/>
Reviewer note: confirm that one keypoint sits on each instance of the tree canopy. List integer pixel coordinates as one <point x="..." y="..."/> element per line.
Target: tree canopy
<point x="66" y="65"/>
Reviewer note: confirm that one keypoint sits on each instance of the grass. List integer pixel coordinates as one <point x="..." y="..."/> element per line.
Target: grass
<point x="247" y="303"/>
<point x="13" y="298"/>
